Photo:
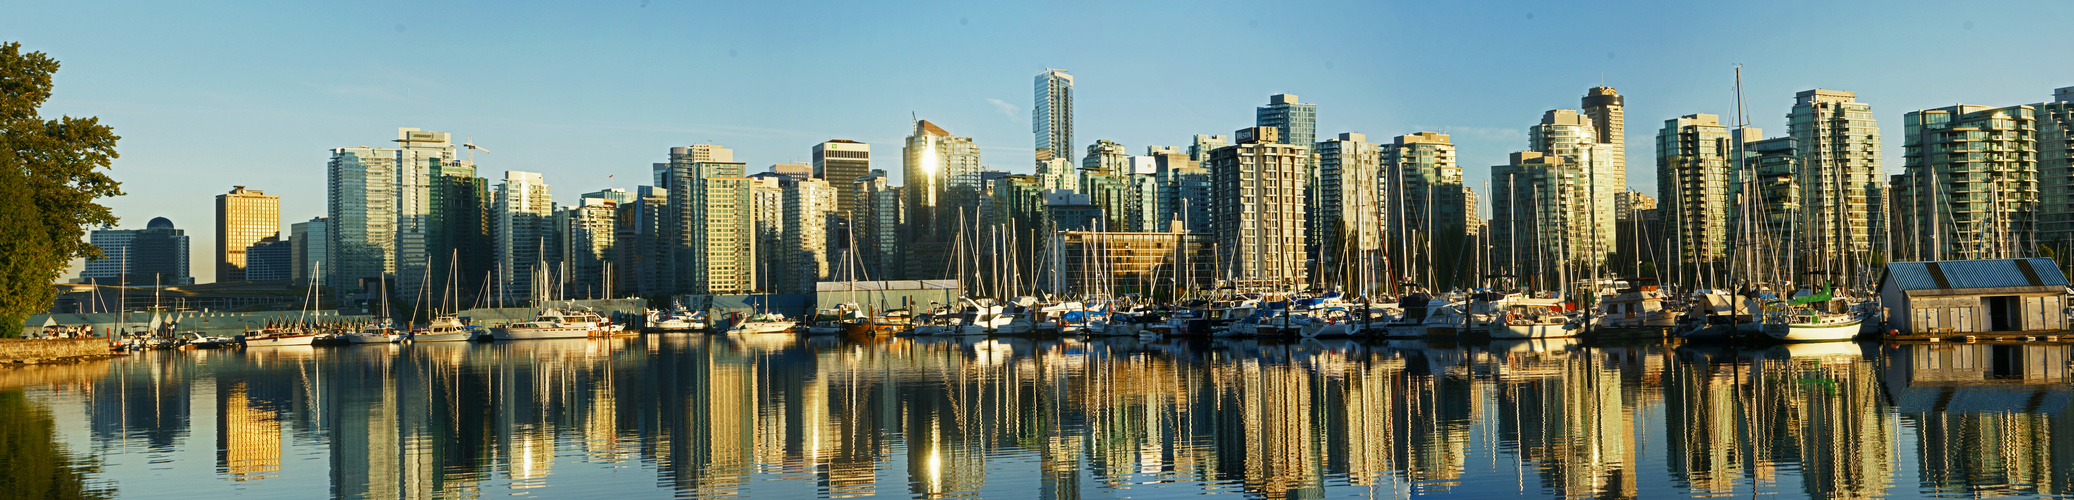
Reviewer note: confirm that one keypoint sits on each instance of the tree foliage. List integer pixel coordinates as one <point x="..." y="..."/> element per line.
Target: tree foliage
<point x="50" y="177"/>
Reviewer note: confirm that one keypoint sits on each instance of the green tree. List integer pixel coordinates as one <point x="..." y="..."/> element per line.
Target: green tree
<point x="49" y="179"/>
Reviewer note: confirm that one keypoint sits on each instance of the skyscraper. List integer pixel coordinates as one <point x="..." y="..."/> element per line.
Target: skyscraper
<point x="1837" y="148"/>
<point x="878" y="226"/>
<point x="711" y="222"/>
<point x="1258" y="188"/>
<point x="155" y="255"/>
<point x="841" y="162"/>
<point x="1607" y="110"/>
<point x="942" y="175"/>
<point x="362" y="218"/>
<point x="1575" y="137"/>
<point x="1426" y="213"/>
<point x="803" y="256"/>
<point x="2056" y="170"/>
<point x="1692" y="156"/>
<point x="243" y="218"/>
<point x="1539" y="220"/>
<point x="1105" y="179"/>
<point x="1969" y="187"/>
<point x="309" y="239"/>
<point x="524" y="247"/>
<point x="1184" y="192"/>
<point x="1294" y="122"/>
<point x="423" y="161"/>
<point x="269" y="259"/>
<point x="643" y="267"/>
<point x="589" y="234"/>
<point x="1349" y="217"/>
<point x="1052" y="116"/>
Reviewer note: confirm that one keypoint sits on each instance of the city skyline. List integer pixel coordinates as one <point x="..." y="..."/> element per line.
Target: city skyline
<point x="611" y="118"/>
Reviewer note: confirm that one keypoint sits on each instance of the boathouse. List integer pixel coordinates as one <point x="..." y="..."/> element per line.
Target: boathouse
<point x="1974" y="296"/>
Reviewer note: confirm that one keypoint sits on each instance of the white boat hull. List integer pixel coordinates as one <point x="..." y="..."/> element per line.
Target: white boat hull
<point x="443" y="337"/>
<point x="291" y="340"/>
<point x="1813" y="333"/>
<point x="363" y="338"/>
<point x="763" y="327"/>
<point x="560" y="332"/>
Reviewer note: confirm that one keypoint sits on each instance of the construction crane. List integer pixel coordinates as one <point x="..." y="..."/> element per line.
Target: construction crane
<point x="472" y="148"/>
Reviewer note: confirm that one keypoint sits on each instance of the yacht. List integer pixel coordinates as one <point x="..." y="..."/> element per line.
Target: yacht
<point x="443" y="329"/>
<point x="378" y="333"/>
<point x="554" y="324"/>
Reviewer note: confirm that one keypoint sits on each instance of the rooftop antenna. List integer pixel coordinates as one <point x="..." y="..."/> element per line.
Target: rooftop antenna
<point x="472" y="148"/>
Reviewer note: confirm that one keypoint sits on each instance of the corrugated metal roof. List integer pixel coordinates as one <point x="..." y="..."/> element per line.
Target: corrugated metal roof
<point x="1965" y="274"/>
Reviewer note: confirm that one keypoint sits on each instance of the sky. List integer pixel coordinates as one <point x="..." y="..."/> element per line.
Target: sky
<point x="207" y="95"/>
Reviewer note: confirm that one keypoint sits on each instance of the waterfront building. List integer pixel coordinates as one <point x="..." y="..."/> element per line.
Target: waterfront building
<point x="1838" y="175"/>
<point x="1575" y="137"/>
<point x="767" y="207"/>
<point x="643" y="265"/>
<point x="589" y="232"/>
<point x="1106" y="180"/>
<point x="942" y="175"/>
<point x="841" y="162"/>
<point x="802" y="255"/>
<point x="711" y="233"/>
<point x="1184" y="191"/>
<point x="361" y="210"/>
<point x="1540" y="223"/>
<point x="1426" y="215"/>
<point x="1692" y="166"/>
<point x="309" y="239"/>
<point x="1070" y="211"/>
<point x="424" y="162"/>
<point x="270" y="259"/>
<point x="1051" y="118"/>
<point x="882" y="214"/>
<point x="1969" y="188"/>
<point x="2056" y="171"/>
<point x="523" y="234"/>
<point x="1607" y="110"/>
<point x="691" y="154"/>
<point x="243" y="218"/>
<point x="1153" y="263"/>
<point x="1258" y="194"/>
<point x="1349" y="216"/>
<point x="155" y="255"/>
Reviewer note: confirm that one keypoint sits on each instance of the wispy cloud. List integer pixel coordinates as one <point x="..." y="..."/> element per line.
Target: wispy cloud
<point x="1009" y="110"/>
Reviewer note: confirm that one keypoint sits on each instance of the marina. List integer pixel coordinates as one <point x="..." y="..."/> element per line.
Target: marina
<point x="721" y="416"/>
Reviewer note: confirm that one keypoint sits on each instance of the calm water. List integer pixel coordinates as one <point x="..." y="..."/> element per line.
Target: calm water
<point x="708" y="417"/>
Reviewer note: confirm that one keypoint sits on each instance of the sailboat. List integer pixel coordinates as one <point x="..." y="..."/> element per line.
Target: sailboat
<point x="299" y="334"/>
<point x="446" y="327"/>
<point x="383" y="329"/>
<point x="1811" y="318"/>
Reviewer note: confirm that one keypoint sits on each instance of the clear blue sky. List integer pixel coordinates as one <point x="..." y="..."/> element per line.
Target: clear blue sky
<point x="207" y="95"/>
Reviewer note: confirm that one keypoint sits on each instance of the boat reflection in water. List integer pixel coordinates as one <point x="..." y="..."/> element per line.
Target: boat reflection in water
<point x="704" y="416"/>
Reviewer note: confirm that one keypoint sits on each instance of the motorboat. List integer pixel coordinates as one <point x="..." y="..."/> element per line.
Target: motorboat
<point x="443" y="329"/>
<point x="281" y="337"/>
<point x="378" y="333"/>
<point x="554" y="324"/>
<point x="1532" y="321"/>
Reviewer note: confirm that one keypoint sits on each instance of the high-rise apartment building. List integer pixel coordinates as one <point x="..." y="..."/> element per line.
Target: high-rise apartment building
<point x="1141" y="205"/>
<point x="1258" y="191"/>
<point x="1294" y="122"/>
<point x="1607" y="110"/>
<point x="1969" y="189"/>
<point x="1349" y="217"/>
<point x="942" y="175"/>
<point x="155" y="255"/>
<point x="692" y="154"/>
<point x="309" y="239"/>
<point x="643" y="266"/>
<point x="1692" y="172"/>
<point x="424" y="162"/>
<point x="1426" y="213"/>
<point x="1184" y="192"/>
<point x="1201" y="145"/>
<point x="523" y="231"/>
<point x="589" y="233"/>
<point x="362" y="214"/>
<point x="2056" y="170"/>
<point x="878" y="226"/>
<point x="1051" y="118"/>
<point x="243" y="218"/>
<point x="803" y="257"/>
<point x="767" y="206"/>
<point x="841" y="162"/>
<point x="1575" y="136"/>
<point x="1837" y="154"/>
<point x="1106" y="180"/>
<point x="1540" y="221"/>
<point x="711" y="222"/>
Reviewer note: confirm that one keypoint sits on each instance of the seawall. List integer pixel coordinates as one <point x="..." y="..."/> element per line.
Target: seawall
<point x="14" y="350"/>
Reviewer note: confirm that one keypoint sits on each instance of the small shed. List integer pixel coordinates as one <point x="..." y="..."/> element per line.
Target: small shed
<point x="1972" y="296"/>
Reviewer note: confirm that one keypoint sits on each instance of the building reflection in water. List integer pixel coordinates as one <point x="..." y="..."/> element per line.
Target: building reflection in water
<point x="709" y="416"/>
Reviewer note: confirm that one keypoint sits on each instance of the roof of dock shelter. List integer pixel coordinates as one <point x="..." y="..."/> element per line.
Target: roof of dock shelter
<point x="1969" y="277"/>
